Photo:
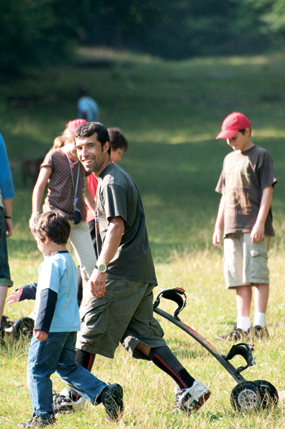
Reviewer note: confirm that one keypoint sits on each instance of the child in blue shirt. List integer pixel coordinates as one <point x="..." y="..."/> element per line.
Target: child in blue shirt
<point x="57" y="321"/>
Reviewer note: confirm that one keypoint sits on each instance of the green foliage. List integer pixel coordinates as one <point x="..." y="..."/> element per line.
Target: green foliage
<point x="132" y="16"/>
<point x="45" y="32"/>
<point x="207" y="27"/>
<point x="35" y="32"/>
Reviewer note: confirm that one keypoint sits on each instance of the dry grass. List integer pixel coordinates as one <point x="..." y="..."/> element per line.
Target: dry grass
<point x="149" y="396"/>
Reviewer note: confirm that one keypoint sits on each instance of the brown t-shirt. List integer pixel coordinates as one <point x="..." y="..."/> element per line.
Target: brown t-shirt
<point x="61" y="190"/>
<point x="244" y="176"/>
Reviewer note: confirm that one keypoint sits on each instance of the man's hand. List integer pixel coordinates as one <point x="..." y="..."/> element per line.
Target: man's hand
<point x="111" y="243"/>
<point x="97" y="283"/>
<point x="40" y="335"/>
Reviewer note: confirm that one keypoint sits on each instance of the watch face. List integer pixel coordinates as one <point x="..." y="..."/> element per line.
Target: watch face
<point x="102" y="268"/>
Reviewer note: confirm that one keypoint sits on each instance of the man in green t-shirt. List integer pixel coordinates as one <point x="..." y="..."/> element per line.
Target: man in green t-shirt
<point x="117" y="307"/>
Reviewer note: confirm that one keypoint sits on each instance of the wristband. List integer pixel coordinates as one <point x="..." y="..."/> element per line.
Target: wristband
<point x="8" y="217"/>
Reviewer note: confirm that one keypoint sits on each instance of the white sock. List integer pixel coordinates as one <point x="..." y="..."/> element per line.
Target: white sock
<point x="259" y="319"/>
<point x="243" y="323"/>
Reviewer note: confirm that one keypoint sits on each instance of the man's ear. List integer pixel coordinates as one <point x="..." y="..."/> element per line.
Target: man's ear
<point x="106" y="147"/>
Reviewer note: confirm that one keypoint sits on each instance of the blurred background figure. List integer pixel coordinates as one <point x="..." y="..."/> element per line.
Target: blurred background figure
<point x="87" y="107"/>
<point x="118" y="144"/>
<point x="7" y="193"/>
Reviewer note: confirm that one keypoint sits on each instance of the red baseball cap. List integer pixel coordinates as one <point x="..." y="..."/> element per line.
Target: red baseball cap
<point x="73" y="125"/>
<point x="232" y="124"/>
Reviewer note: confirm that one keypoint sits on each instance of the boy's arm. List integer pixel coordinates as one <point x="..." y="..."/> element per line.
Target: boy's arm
<point x="257" y="233"/>
<point x="48" y="299"/>
<point x="217" y="236"/>
<point x="21" y="293"/>
<point x="29" y="292"/>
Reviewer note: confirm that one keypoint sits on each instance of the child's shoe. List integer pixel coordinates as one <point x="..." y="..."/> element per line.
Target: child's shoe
<point x="37" y="422"/>
<point x="258" y="332"/>
<point x="112" y="399"/>
<point x="236" y="334"/>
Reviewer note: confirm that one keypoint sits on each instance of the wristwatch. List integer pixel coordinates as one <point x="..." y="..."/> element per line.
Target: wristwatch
<point x="102" y="268"/>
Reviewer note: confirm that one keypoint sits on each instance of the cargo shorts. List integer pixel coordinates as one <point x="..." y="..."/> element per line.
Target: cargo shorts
<point x="123" y="315"/>
<point x="245" y="262"/>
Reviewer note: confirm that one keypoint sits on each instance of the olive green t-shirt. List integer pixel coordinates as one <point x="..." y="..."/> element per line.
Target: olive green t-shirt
<point x="117" y="195"/>
<point x="244" y="176"/>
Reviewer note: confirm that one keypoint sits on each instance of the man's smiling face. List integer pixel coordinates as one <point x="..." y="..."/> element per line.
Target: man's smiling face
<point x="91" y="154"/>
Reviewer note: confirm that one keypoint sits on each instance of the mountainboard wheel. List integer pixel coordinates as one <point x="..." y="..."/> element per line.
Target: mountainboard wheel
<point x="23" y="328"/>
<point x="268" y="393"/>
<point x="246" y="396"/>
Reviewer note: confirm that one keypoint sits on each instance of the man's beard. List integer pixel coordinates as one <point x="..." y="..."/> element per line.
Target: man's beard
<point x="95" y="166"/>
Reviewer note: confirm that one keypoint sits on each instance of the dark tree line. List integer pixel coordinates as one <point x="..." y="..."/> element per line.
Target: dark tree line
<point x="46" y="31"/>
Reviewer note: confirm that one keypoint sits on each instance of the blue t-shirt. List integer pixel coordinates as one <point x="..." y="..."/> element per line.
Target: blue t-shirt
<point x="58" y="273"/>
<point x="88" y="105"/>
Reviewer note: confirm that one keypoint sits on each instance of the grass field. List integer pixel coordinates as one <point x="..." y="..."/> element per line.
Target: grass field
<point x="170" y="112"/>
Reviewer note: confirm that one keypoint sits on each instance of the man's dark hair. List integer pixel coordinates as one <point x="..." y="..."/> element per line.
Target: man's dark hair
<point x="90" y="128"/>
<point x="117" y="139"/>
<point x="54" y="224"/>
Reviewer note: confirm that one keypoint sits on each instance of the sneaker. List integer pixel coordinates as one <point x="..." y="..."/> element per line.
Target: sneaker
<point x="63" y="402"/>
<point x="112" y="399"/>
<point x="37" y="422"/>
<point x="192" y="398"/>
<point x="236" y="334"/>
<point x="258" y="332"/>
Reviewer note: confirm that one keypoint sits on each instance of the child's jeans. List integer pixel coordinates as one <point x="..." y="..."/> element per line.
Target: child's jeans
<point x="56" y="354"/>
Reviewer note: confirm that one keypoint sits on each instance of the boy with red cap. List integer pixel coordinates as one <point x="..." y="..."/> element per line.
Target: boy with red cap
<point x="246" y="184"/>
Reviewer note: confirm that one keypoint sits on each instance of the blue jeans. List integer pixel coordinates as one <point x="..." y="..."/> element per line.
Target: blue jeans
<point x="57" y="354"/>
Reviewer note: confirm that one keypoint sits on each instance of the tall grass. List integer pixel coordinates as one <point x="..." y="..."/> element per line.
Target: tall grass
<point x="170" y="112"/>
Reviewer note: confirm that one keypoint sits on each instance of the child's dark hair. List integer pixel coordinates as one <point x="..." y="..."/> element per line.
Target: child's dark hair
<point x="54" y="224"/>
<point x="117" y="139"/>
<point x="243" y="131"/>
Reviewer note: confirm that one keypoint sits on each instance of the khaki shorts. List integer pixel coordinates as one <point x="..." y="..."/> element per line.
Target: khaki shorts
<point x="245" y="262"/>
<point x="123" y="315"/>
